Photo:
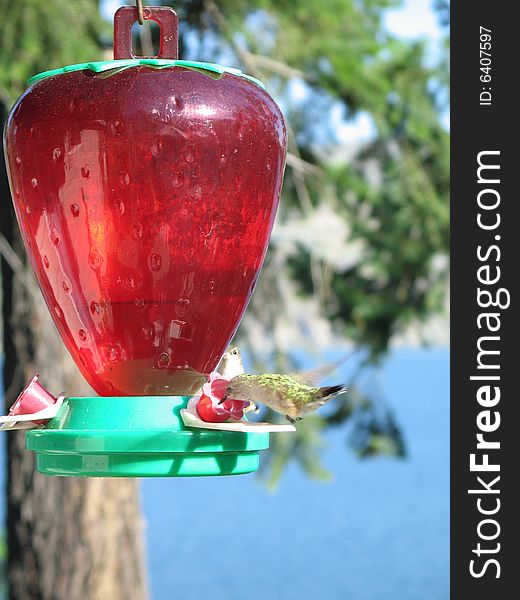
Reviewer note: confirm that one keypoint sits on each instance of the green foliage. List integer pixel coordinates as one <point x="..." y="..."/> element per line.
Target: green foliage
<point x="36" y="35"/>
<point x="392" y="192"/>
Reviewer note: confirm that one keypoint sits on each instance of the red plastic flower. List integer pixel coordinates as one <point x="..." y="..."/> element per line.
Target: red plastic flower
<point x="209" y="406"/>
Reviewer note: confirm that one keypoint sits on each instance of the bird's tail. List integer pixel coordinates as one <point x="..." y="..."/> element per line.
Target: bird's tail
<point x="323" y="396"/>
<point x="327" y="393"/>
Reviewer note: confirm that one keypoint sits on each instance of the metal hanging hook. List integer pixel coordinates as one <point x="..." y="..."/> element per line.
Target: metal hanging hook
<point x="140" y="11"/>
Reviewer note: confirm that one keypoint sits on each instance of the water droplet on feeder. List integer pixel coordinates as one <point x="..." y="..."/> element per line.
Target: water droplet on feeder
<point x="95" y="259"/>
<point x="177" y="178"/>
<point x="190" y="154"/>
<point x="56" y="154"/>
<point x="117" y="127"/>
<point x="156" y="148"/>
<point x="82" y="335"/>
<point x="46" y="262"/>
<point x="137" y="230"/>
<point x="74" y="209"/>
<point x="130" y="283"/>
<point x="210" y="285"/>
<point x="34" y="182"/>
<point x="95" y="309"/>
<point x="155" y="262"/>
<point x="148" y="332"/>
<point x="124" y="180"/>
<point x="66" y="286"/>
<point x="85" y="171"/>
<point x="57" y="311"/>
<point x="18" y="161"/>
<point x="163" y="360"/>
<point x="140" y="303"/>
<point x="55" y="238"/>
<point x="177" y="102"/>
<point x="181" y="307"/>
<point x="121" y="207"/>
<point x="112" y="353"/>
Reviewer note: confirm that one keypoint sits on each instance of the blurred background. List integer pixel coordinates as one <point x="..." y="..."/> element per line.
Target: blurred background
<point x="355" y="505"/>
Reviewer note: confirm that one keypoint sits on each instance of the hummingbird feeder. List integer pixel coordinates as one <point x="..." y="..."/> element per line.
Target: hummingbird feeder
<point x="145" y="190"/>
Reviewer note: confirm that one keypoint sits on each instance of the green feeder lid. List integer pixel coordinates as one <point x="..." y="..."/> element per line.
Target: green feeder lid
<point x="211" y="69"/>
<point x="138" y="436"/>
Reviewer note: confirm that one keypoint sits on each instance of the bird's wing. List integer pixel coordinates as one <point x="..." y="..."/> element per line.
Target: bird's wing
<point x="314" y="376"/>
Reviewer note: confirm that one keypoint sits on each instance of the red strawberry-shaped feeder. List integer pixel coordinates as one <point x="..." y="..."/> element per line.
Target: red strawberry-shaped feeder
<point x="145" y="190"/>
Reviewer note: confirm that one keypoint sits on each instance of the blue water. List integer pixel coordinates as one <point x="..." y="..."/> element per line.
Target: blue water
<point x="379" y="531"/>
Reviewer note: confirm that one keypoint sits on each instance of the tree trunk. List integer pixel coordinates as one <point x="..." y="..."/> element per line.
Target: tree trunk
<point x="67" y="538"/>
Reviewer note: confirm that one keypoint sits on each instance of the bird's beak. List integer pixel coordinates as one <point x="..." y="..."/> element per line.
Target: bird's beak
<point x="224" y="398"/>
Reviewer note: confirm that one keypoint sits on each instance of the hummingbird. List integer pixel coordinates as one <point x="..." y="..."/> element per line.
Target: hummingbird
<point x="289" y="395"/>
<point x="230" y="364"/>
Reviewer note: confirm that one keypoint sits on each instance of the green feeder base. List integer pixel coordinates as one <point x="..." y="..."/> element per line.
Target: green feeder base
<point x="138" y="436"/>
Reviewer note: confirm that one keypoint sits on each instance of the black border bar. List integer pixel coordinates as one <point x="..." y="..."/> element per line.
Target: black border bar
<point x="485" y="337"/>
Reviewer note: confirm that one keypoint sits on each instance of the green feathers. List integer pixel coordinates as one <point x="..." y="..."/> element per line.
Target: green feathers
<point x="285" y="394"/>
<point x="300" y="393"/>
